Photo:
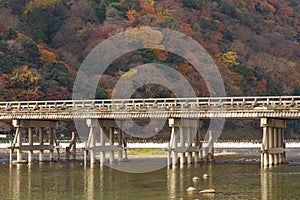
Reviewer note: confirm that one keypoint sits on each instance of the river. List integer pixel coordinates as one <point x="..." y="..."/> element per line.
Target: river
<point x="73" y="180"/>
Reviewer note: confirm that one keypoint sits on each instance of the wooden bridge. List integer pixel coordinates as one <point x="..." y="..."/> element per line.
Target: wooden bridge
<point x="272" y="111"/>
<point x="286" y="107"/>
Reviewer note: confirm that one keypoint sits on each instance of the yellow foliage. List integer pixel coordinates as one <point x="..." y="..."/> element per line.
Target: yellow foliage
<point x="147" y="36"/>
<point x="291" y="64"/>
<point x="270" y="18"/>
<point x="230" y="58"/>
<point x="216" y="21"/>
<point x="41" y="3"/>
<point x="163" y="13"/>
<point x="25" y="78"/>
<point x="128" y="75"/>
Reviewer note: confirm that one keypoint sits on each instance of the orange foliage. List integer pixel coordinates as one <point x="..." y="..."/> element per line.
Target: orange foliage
<point x="46" y="55"/>
<point x="63" y="90"/>
<point x="147" y="6"/>
<point x="162" y="55"/>
<point x="109" y="92"/>
<point x="187" y="29"/>
<point x="3" y="29"/>
<point x="132" y="15"/>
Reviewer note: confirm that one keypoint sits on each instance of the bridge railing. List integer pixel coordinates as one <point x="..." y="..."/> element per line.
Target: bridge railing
<point x="160" y="103"/>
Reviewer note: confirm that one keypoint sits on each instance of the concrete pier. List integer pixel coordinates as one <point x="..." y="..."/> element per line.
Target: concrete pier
<point x="273" y="147"/>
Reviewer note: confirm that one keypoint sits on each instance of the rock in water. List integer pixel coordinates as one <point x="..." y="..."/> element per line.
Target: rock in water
<point x="195" y="179"/>
<point x="191" y="189"/>
<point x="207" y="191"/>
<point x="205" y="176"/>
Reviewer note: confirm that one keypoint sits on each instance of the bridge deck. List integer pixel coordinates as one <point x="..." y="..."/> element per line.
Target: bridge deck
<point x="287" y="107"/>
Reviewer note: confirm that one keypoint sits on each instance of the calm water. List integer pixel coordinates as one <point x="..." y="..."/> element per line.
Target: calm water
<point x="71" y="180"/>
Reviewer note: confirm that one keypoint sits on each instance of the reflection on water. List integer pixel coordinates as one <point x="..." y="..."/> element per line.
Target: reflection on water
<point x="72" y="180"/>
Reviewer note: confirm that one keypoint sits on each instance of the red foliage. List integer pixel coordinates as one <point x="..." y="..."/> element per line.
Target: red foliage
<point x="53" y="94"/>
<point x="187" y="29"/>
<point x="261" y="87"/>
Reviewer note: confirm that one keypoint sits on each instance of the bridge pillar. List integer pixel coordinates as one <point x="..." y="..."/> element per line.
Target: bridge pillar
<point x="111" y="149"/>
<point x="102" y="144"/>
<point x="173" y="144"/>
<point x="182" y="137"/>
<point x="51" y="143"/>
<point x="197" y="155"/>
<point x="189" y="154"/>
<point x="41" y="141"/>
<point x="185" y="143"/>
<point x="209" y="152"/>
<point x="30" y="141"/>
<point x="91" y="143"/>
<point x="273" y="147"/>
<point x="106" y="145"/>
<point x="111" y="142"/>
<point x="21" y="146"/>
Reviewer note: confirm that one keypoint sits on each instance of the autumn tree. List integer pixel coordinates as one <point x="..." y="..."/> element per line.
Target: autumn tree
<point x="25" y="82"/>
<point x="230" y="58"/>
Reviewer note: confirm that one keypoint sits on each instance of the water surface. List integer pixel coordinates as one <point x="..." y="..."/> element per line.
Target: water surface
<point x="72" y="180"/>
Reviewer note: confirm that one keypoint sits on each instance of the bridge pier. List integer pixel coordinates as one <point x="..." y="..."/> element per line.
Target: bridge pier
<point x="209" y="150"/>
<point x="184" y="145"/>
<point x="105" y="147"/>
<point x="91" y="143"/>
<point x="21" y="146"/>
<point x="273" y="147"/>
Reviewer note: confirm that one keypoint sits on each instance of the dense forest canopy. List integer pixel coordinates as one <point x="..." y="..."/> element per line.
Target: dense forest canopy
<point x="255" y="44"/>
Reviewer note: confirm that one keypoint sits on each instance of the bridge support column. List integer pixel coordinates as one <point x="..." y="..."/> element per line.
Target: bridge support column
<point x="102" y="144"/>
<point x="30" y="141"/>
<point x="111" y="142"/>
<point x="120" y="153"/>
<point x="173" y="143"/>
<point x="30" y="147"/>
<point x="189" y="144"/>
<point x="273" y="148"/>
<point x="197" y="155"/>
<point x="41" y="141"/>
<point x="209" y="150"/>
<point x="105" y="149"/>
<point x="51" y="143"/>
<point x="182" y="135"/>
<point x="91" y="143"/>
<point x="19" y="144"/>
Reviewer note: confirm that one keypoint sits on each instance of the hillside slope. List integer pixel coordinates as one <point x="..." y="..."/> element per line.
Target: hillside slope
<point x="255" y="44"/>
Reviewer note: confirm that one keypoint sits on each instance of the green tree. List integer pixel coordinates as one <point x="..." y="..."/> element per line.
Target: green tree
<point x="43" y="22"/>
<point x="57" y="71"/>
<point x="30" y="52"/>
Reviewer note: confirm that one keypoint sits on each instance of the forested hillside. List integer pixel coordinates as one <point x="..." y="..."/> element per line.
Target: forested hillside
<point x="255" y="44"/>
